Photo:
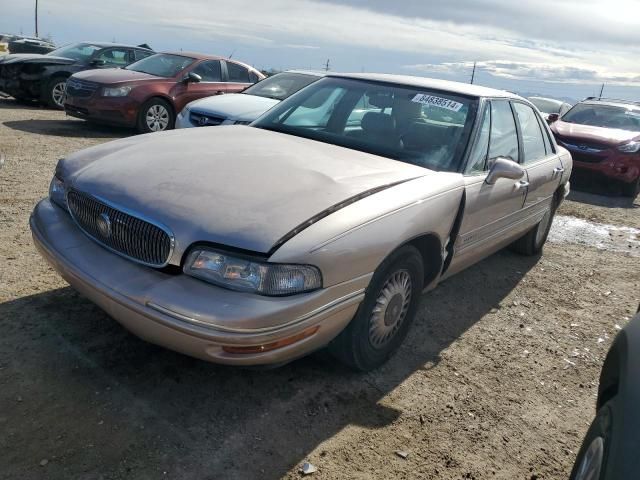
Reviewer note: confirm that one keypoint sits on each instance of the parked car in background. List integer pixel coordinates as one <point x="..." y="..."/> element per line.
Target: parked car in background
<point x="603" y="136"/>
<point x="148" y="94"/>
<point x="610" y="447"/>
<point x="255" y="245"/>
<point x="245" y="107"/>
<point x="20" y="44"/>
<point x="550" y="108"/>
<point x="43" y="77"/>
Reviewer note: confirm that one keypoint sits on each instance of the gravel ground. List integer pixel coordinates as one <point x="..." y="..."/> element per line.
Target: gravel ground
<point x="497" y="379"/>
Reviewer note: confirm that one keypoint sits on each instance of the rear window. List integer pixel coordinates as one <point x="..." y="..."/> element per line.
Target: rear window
<point x="162" y="65"/>
<point x="607" y="116"/>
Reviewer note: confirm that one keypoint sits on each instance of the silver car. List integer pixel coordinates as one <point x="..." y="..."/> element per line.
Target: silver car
<point x="315" y="226"/>
<point x="243" y="108"/>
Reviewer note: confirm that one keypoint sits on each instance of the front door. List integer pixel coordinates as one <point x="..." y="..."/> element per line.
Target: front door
<point x="210" y="72"/>
<point x="492" y="213"/>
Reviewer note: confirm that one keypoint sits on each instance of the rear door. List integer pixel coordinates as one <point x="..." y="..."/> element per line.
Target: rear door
<point x="542" y="163"/>
<point x="211" y="84"/>
<point x="238" y="77"/>
<point x="492" y="213"/>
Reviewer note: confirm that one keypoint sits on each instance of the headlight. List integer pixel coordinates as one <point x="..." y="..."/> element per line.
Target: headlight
<point x="116" y="92"/>
<point x="249" y="275"/>
<point x="631" y="147"/>
<point x="58" y="192"/>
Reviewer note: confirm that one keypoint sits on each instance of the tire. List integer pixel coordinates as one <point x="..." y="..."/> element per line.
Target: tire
<point x="373" y="335"/>
<point x="155" y="115"/>
<point x="532" y="242"/>
<point x="592" y="457"/>
<point x="631" y="189"/>
<point x="54" y="93"/>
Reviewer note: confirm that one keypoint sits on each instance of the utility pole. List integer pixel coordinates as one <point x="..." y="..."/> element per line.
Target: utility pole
<point x="473" y="73"/>
<point x="36" y="18"/>
<point x="601" y="90"/>
<point x="326" y="66"/>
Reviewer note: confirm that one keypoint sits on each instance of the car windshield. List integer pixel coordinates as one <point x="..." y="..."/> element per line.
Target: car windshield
<point x="546" y="105"/>
<point x="281" y="85"/>
<point x="162" y="65"/>
<point x="607" y="116"/>
<point x="410" y="124"/>
<point x="79" y="51"/>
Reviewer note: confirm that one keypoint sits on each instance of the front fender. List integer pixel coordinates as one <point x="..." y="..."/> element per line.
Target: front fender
<point x="353" y="241"/>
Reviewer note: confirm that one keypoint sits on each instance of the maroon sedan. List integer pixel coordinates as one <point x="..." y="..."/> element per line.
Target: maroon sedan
<point x="148" y="94"/>
<point x="603" y="137"/>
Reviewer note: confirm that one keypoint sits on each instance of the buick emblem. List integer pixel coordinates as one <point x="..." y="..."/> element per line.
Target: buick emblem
<point x="203" y="121"/>
<point x="103" y="222"/>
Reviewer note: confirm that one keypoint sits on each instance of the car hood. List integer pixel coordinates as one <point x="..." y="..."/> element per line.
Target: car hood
<point x="35" y="58"/>
<point x="236" y="106"/>
<point x="612" y="136"/>
<point x="116" y="75"/>
<point x="237" y="186"/>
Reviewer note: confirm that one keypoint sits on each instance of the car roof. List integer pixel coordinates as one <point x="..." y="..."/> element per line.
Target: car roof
<point x="431" y="84"/>
<point x="315" y="73"/>
<point x="547" y="99"/>
<point x="206" y="56"/>
<point x="612" y="102"/>
<point x="110" y="44"/>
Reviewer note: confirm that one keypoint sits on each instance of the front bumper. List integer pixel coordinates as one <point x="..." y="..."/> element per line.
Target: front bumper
<point x="120" y="111"/>
<point x="185" y="314"/>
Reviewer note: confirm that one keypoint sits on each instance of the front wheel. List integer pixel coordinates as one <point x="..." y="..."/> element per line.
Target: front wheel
<point x="156" y="115"/>
<point x="384" y="317"/>
<point x="55" y="92"/>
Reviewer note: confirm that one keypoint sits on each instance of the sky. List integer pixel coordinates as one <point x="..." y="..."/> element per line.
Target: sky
<point x="558" y="48"/>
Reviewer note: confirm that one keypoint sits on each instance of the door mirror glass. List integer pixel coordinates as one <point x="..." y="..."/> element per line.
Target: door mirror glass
<point x="192" y="77"/>
<point x="504" y="168"/>
<point x="98" y="63"/>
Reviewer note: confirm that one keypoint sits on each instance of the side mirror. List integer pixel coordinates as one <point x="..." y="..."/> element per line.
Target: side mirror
<point x="504" y="168"/>
<point x="192" y="77"/>
<point x="553" y="117"/>
<point x="98" y="63"/>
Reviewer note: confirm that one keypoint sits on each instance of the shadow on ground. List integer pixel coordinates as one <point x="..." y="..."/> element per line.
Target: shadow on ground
<point x="68" y="128"/>
<point x="96" y="401"/>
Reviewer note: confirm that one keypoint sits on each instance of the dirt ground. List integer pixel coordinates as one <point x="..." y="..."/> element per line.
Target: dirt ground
<point x="497" y="379"/>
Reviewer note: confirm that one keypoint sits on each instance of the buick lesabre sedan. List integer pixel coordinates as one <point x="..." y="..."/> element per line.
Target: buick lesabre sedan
<point x="255" y="245"/>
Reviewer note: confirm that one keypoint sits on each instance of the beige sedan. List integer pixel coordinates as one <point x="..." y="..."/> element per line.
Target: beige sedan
<point x="319" y="225"/>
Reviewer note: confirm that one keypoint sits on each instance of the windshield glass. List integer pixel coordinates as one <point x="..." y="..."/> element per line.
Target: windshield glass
<point x="79" y="51"/>
<point x="410" y="124"/>
<point x="607" y="116"/>
<point x="281" y="85"/>
<point x="162" y="65"/>
<point x="546" y="105"/>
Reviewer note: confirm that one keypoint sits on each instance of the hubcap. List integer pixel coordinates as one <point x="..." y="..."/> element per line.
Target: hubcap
<point x="542" y="227"/>
<point x="157" y="118"/>
<point x="592" y="461"/>
<point x="57" y="94"/>
<point x="390" y="309"/>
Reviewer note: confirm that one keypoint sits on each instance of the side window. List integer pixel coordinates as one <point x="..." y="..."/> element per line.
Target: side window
<point x="237" y="73"/>
<point x="478" y="157"/>
<point x="253" y="78"/>
<point x="140" y="54"/>
<point x="545" y="136"/>
<point x="209" y="71"/>
<point x="532" y="141"/>
<point x="504" y="137"/>
<point x="316" y="110"/>
<point x="117" y="57"/>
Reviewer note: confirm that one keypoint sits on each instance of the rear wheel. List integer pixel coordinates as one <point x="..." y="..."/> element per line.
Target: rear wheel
<point x="384" y="317"/>
<point x="532" y="242"/>
<point x="591" y="459"/>
<point x="156" y="115"/>
<point x="54" y="94"/>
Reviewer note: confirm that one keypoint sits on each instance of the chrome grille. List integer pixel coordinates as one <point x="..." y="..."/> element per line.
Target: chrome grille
<point x="200" y="119"/>
<point x="121" y="232"/>
<point x="80" y="88"/>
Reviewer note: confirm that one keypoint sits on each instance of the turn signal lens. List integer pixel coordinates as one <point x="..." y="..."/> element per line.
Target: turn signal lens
<point x="273" y="345"/>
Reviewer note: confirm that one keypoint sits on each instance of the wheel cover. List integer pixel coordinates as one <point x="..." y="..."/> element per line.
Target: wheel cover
<point x="390" y="309"/>
<point x="543" y="226"/>
<point x="591" y="462"/>
<point x="157" y="118"/>
<point x="57" y="93"/>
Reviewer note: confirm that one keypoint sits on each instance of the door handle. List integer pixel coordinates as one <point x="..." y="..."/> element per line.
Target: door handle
<point x="558" y="170"/>
<point x="522" y="184"/>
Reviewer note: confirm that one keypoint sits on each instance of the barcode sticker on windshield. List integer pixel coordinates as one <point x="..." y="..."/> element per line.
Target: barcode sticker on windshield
<point x="437" y="102"/>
